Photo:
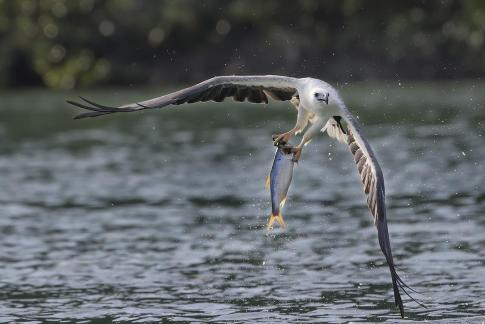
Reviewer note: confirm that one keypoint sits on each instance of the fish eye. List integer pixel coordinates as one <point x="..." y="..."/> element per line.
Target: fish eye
<point x="315" y="94"/>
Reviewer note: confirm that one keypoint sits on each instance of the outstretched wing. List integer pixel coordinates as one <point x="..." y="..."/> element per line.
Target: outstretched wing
<point x="255" y="89"/>
<point x="373" y="182"/>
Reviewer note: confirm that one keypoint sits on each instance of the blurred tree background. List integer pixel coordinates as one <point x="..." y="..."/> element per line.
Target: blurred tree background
<point x="77" y="43"/>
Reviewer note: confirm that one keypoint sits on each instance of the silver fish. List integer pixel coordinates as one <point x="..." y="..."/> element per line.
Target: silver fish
<point x="279" y="181"/>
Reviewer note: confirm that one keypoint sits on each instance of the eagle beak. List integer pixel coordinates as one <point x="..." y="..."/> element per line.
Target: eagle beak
<point x="323" y="98"/>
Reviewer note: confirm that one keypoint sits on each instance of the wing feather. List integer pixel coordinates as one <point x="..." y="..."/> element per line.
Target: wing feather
<point x="255" y="89"/>
<point x="241" y="94"/>
<point x="373" y="184"/>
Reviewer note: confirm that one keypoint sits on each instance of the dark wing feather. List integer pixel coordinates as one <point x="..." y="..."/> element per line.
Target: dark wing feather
<point x="373" y="183"/>
<point x="255" y="89"/>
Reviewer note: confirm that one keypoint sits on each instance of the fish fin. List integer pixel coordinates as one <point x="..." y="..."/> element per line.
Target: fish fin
<point x="282" y="203"/>
<point x="267" y="182"/>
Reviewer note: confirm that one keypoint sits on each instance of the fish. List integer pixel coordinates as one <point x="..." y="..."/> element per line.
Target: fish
<point x="279" y="181"/>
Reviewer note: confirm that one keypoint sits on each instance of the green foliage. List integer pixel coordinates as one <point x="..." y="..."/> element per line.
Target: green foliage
<point x="70" y="43"/>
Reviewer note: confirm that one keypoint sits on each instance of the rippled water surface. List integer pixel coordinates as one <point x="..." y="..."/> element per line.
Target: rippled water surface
<point x="161" y="215"/>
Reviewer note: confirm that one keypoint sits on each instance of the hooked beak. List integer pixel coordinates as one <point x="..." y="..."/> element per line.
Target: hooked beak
<point x="323" y="98"/>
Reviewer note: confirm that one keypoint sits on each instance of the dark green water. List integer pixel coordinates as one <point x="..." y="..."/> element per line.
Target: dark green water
<point x="161" y="215"/>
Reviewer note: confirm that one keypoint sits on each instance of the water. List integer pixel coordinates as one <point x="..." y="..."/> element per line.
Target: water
<point x="161" y="215"/>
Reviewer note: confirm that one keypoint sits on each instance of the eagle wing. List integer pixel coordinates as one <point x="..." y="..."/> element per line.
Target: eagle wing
<point x="255" y="89"/>
<point x="373" y="184"/>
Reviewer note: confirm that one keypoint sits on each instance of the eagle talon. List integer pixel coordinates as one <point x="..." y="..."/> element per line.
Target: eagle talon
<point x="296" y="153"/>
<point x="287" y="149"/>
<point x="281" y="139"/>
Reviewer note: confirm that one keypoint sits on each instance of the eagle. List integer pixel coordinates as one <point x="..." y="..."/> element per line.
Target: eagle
<point x="320" y="109"/>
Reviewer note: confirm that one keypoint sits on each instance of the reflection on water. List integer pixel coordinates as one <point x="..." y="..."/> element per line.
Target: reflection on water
<point x="158" y="215"/>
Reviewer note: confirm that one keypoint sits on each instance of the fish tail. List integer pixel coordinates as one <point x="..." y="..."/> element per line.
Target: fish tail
<point x="276" y="218"/>
<point x="280" y="220"/>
